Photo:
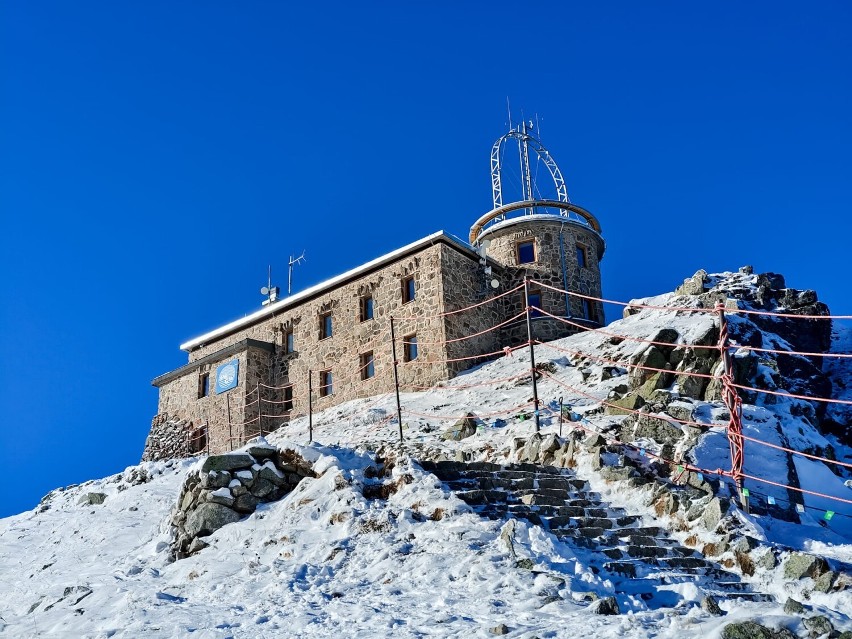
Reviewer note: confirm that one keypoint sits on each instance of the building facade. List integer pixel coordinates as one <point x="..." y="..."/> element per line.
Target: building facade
<point x="333" y="343"/>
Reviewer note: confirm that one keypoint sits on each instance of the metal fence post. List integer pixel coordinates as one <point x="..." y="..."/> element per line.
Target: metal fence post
<point x="230" y="427"/>
<point x="259" y="411"/>
<point x="734" y="406"/>
<point x="396" y="377"/>
<point x="310" y="406"/>
<point x="532" y="352"/>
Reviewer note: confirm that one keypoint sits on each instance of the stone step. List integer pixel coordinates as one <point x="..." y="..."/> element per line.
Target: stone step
<point x="646" y="551"/>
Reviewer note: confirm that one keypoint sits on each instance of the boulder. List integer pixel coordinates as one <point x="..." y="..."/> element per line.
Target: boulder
<point x="197" y="545"/>
<point x="657" y="428"/>
<point x="800" y="565"/>
<point x="630" y="402"/>
<point x="259" y="448"/>
<point x="531" y="448"/>
<point x="92" y="499"/>
<point x="215" y="479"/>
<point x="605" y="606"/>
<point x="746" y="630"/>
<point x="825" y="581"/>
<point x="501" y="629"/>
<point x="462" y="429"/>
<point x="713" y="513"/>
<point x="793" y="607"/>
<point x="228" y="461"/>
<point x="208" y="518"/>
<point x="246" y="503"/>
<point x="271" y="474"/>
<point x="262" y="487"/>
<point x="221" y="496"/>
<point x="711" y="606"/>
<point x="818" y="626"/>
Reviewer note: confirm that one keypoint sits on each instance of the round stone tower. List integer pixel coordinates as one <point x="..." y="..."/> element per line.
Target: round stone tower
<point x="552" y="241"/>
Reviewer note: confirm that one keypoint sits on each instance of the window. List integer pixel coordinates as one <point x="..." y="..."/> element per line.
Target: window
<point x="409" y="348"/>
<point x="582" y="262"/>
<point x="368" y="365"/>
<point x="287" y="403"/>
<point x="366" y="308"/>
<point x="203" y="385"/>
<point x="326" y="386"/>
<point x="534" y="299"/>
<point x="526" y="252"/>
<point x="587" y="309"/>
<point x="325" y="325"/>
<point x="408" y="290"/>
<point x="289" y="342"/>
<point x="198" y="439"/>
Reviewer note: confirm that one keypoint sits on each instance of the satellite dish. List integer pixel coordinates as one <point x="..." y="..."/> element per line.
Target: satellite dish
<point x="486" y="243"/>
<point x="495" y="283"/>
<point x="264" y="291"/>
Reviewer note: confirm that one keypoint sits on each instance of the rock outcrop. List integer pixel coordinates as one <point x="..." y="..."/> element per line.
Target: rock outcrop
<point x="228" y="487"/>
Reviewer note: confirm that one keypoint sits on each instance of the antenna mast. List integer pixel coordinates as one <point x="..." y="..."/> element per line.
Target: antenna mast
<point x="293" y="261"/>
<point x="270" y="291"/>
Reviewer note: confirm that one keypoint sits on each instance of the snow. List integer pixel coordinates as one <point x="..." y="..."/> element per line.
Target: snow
<point x="326" y="562"/>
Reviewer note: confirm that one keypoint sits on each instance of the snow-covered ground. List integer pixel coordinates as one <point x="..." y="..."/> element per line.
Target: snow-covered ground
<point x="326" y="562"/>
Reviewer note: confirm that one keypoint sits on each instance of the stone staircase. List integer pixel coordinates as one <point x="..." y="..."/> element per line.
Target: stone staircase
<point x="634" y="554"/>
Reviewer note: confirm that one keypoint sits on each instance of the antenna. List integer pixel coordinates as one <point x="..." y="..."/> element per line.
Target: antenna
<point x="270" y="291"/>
<point x="509" y="111"/>
<point x="293" y="261"/>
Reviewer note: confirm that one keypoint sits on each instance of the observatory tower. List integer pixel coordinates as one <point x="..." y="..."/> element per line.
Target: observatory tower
<point x="544" y="236"/>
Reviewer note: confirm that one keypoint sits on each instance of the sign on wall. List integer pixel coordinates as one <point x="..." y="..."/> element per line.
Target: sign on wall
<point x="227" y="375"/>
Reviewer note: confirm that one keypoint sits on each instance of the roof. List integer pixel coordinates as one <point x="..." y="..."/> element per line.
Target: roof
<point x="322" y="287"/>
<point x="222" y="353"/>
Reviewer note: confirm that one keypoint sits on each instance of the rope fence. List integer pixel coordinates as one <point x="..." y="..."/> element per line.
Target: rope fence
<point x="728" y="386"/>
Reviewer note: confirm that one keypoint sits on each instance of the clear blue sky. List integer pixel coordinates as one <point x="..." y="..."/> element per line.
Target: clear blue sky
<point x="155" y="157"/>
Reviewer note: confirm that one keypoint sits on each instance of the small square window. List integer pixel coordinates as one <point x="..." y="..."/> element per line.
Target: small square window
<point x="368" y="365"/>
<point x="287" y="403"/>
<point x="326" y="386"/>
<point x="582" y="260"/>
<point x="526" y="252"/>
<point x="325" y="325"/>
<point x="203" y="385"/>
<point x="409" y="292"/>
<point x="366" y="308"/>
<point x="409" y="348"/>
<point x="289" y="342"/>
<point x="534" y="299"/>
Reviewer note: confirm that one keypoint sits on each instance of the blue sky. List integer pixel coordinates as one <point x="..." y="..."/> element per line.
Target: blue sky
<point x="157" y="156"/>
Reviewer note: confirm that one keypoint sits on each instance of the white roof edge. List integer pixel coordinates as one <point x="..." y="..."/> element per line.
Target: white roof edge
<point x="292" y="300"/>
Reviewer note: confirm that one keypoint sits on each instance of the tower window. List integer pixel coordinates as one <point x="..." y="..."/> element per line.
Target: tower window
<point x="203" y="385"/>
<point x="409" y="291"/>
<point x="526" y="252"/>
<point x="587" y="309"/>
<point x="409" y="348"/>
<point x="582" y="257"/>
<point x="325" y="325"/>
<point x="289" y="342"/>
<point x="287" y="403"/>
<point x="366" y="308"/>
<point x="326" y="386"/>
<point x="534" y="299"/>
<point x="368" y="365"/>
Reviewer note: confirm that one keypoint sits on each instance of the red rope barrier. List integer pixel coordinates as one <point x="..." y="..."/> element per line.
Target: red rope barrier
<point x="629" y="338"/>
<point x="626" y="304"/>
<point x="483" y="332"/>
<point x="799" y="353"/>
<point x="627" y="365"/>
<point x="464" y="386"/>
<point x="499" y="412"/>
<point x="466" y="308"/>
<point x="800" y="490"/>
<point x="792" y="396"/>
<point x="795" y="452"/>
<point x="667" y="418"/>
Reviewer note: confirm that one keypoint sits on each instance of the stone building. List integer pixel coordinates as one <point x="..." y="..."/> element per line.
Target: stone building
<point x="332" y="343"/>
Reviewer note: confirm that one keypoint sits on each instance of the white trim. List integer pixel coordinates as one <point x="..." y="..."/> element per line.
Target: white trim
<point x="293" y="300"/>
